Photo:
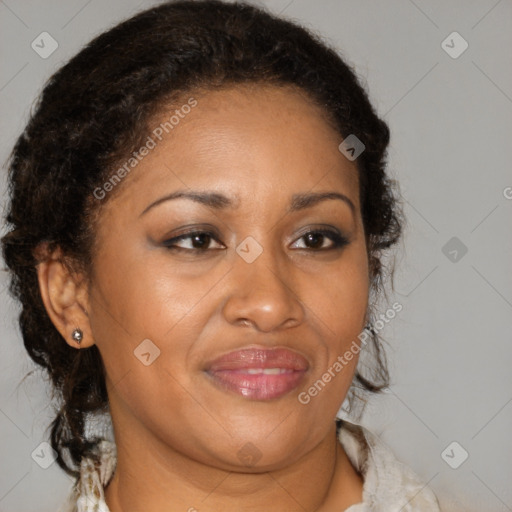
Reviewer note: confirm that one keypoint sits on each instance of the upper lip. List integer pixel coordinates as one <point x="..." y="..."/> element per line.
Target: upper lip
<point x="259" y="358"/>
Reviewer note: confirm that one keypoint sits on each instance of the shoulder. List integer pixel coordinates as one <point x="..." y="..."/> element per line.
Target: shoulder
<point x="388" y="483"/>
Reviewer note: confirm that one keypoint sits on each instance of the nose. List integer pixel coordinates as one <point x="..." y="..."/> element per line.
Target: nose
<point x="262" y="294"/>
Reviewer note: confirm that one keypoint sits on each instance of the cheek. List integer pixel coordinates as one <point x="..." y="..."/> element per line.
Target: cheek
<point x="145" y="327"/>
<point x="144" y="304"/>
<point x="145" y="293"/>
<point x="340" y="300"/>
<point x="342" y="309"/>
<point x="339" y="297"/>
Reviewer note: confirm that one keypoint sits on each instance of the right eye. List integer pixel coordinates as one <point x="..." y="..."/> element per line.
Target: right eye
<point x="196" y="241"/>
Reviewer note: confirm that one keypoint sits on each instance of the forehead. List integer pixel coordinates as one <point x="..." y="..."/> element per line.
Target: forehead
<point x="243" y="140"/>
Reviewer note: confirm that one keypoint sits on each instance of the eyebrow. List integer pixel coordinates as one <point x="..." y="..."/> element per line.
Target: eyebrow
<point x="309" y="199"/>
<point x="219" y="201"/>
<point x="211" y="199"/>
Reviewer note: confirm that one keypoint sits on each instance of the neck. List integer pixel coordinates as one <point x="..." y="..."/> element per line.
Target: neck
<point x="152" y="476"/>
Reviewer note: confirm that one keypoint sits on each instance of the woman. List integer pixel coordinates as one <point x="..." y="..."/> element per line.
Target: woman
<point x="199" y="207"/>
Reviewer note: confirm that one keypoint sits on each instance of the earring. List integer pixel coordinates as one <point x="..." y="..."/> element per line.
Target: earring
<point x="77" y="335"/>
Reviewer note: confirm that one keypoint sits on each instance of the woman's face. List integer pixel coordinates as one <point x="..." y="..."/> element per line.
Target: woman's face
<point x="210" y="340"/>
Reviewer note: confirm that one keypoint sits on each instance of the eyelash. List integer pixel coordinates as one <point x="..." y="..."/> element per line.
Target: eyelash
<point x="338" y="240"/>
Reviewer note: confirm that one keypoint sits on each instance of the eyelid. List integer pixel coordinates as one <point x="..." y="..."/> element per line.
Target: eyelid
<point x="188" y="234"/>
<point x="318" y="228"/>
<point x="192" y="229"/>
<point x="337" y="238"/>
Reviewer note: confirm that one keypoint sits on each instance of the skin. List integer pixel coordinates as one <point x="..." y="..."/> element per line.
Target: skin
<point x="178" y="435"/>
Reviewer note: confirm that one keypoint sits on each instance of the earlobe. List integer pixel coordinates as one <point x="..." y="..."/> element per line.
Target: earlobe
<point x="63" y="295"/>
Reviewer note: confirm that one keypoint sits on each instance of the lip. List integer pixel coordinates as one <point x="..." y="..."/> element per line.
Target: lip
<point x="259" y="373"/>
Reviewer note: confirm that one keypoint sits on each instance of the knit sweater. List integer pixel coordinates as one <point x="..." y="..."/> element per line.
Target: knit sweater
<point x="388" y="485"/>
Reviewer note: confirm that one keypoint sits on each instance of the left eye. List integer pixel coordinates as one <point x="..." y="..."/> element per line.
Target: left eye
<point x="316" y="240"/>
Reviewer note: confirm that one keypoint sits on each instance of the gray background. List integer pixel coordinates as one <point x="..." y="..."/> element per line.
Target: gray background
<point x="451" y="120"/>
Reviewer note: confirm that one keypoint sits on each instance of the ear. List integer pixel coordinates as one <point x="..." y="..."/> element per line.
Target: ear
<point x="65" y="297"/>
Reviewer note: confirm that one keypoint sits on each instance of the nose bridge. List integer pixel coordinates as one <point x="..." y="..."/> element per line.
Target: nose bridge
<point x="261" y="291"/>
<point x="266" y="272"/>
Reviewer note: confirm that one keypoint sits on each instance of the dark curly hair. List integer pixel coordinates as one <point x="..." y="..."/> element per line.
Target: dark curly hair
<point x="97" y="109"/>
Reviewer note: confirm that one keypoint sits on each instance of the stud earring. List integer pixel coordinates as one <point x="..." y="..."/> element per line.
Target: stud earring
<point x="77" y="335"/>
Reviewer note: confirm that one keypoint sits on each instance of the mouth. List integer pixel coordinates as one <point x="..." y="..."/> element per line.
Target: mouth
<point x="259" y="374"/>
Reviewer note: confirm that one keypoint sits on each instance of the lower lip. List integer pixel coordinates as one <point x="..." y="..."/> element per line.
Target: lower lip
<point x="258" y="386"/>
